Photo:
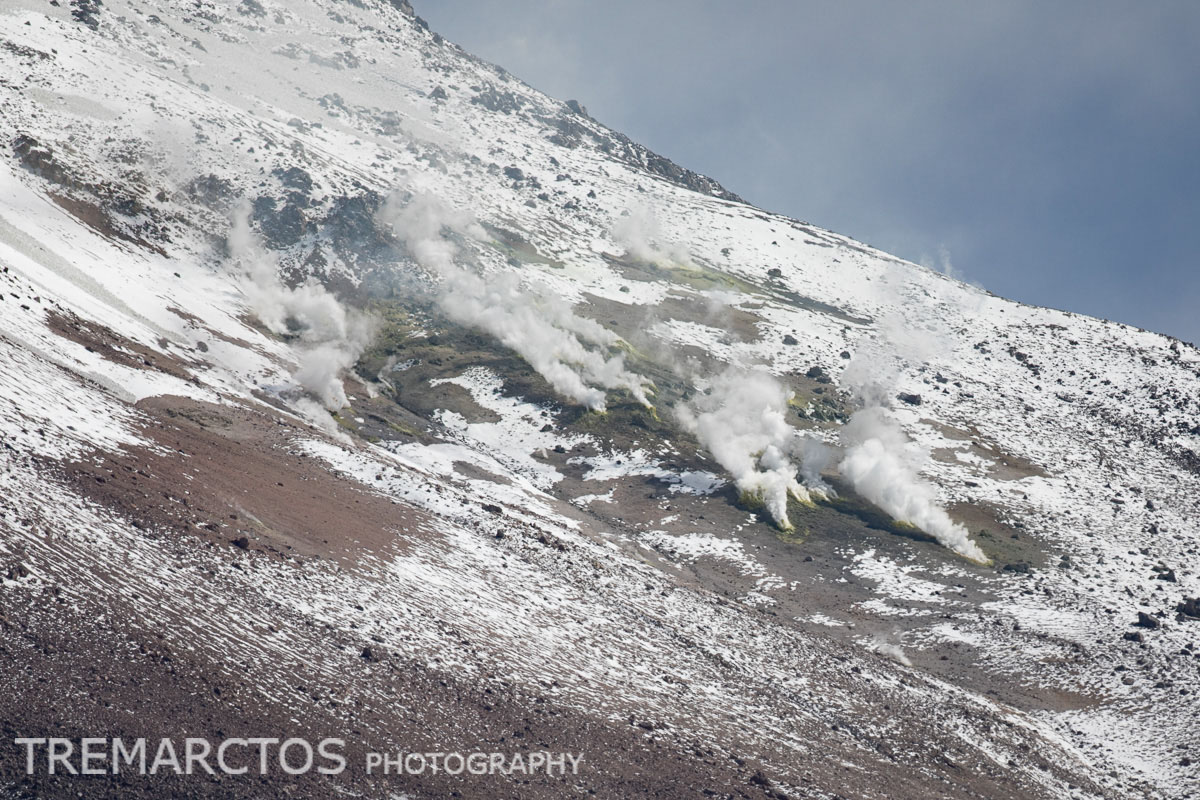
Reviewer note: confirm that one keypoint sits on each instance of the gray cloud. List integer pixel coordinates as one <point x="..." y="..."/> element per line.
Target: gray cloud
<point x="1049" y="148"/>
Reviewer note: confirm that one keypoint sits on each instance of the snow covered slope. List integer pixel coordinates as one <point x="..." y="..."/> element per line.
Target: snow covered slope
<point x="352" y="387"/>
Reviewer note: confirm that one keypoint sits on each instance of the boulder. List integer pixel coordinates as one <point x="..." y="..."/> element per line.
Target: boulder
<point x="1144" y="620"/>
<point x="1190" y="607"/>
<point x="818" y="374"/>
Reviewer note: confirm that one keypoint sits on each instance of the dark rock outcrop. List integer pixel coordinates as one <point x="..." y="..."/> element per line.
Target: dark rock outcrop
<point x="87" y="12"/>
<point x="1190" y="607"/>
<point x="1146" y="621"/>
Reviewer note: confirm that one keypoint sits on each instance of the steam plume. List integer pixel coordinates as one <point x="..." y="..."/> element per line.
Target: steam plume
<point x="570" y="352"/>
<point x="742" y="421"/>
<point x="883" y="467"/>
<point x="638" y="231"/>
<point x="880" y="462"/>
<point x="331" y="337"/>
<point x="881" y="645"/>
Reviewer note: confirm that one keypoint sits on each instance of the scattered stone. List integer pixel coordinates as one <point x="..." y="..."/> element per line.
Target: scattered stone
<point x="491" y="508"/>
<point x="494" y="100"/>
<point x="211" y="191"/>
<point x="242" y="542"/>
<point x="818" y="374"/>
<point x="788" y="339"/>
<point x="87" y="12"/>
<point x="1134" y="636"/>
<point x="1190" y="607"/>
<point x="251" y="8"/>
<point x="911" y="399"/>
<point x="1144" y="620"/>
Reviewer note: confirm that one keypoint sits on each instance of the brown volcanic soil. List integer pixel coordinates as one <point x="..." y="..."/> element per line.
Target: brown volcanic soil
<point x="121" y="680"/>
<point x="224" y="488"/>
<point x="81" y="663"/>
<point x="84" y="661"/>
<point x="226" y="472"/>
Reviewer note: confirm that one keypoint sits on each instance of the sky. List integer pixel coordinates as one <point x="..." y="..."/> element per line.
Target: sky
<point x="1049" y="152"/>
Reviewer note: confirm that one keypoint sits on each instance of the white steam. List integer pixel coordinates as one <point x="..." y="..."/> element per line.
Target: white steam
<point x="570" y="352"/>
<point x="742" y="421"/>
<point x="884" y="467"/>
<point x="331" y="338"/>
<point x="638" y="231"/>
<point x="880" y="462"/>
<point x="881" y="645"/>
<point x="943" y="264"/>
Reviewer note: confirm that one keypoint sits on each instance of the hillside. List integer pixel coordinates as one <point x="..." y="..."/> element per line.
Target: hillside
<point x="351" y="387"/>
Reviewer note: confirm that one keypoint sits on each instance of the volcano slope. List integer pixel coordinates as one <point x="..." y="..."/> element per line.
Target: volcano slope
<point x="351" y="388"/>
